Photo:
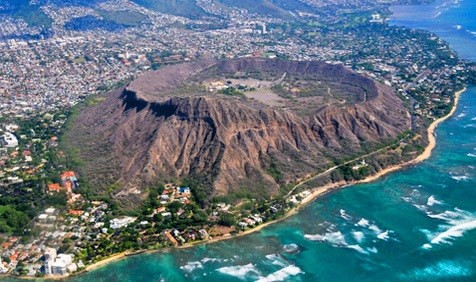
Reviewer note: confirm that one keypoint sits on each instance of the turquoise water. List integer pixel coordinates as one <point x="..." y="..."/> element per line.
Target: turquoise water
<point x="416" y="224"/>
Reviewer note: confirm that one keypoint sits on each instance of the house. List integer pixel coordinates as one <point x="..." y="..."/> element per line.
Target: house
<point x="159" y="210"/>
<point x="171" y="238"/>
<point x="49" y="258"/>
<point x="75" y="212"/>
<point x="42" y="217"/>
<point x="61" y="264"/>
<point x="9" y="140"/>
<point x="54" y="187"/>
<point x="203" y="234"/>
<point x="117" y="223"/>
<point x="69" y="180"/>
<point x="182" y="192"/>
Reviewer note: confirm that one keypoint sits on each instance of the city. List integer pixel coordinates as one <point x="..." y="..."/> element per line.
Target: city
<point x="54" y="229"/>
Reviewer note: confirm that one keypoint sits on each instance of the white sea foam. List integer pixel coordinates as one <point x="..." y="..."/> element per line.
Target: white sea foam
<point x="363" y="222"/>
<point x="282" y="274"/>
<point x="240" y="271"/>
<point x="460" y="177"/>
<point x="336" y="239"/>
<point x="291" y="248"/>
<point x="471" y="155"/>
<point x="422" y="208"/>
<point x="205" y="260"/>
<point x="357" y="248"/>
<point x="407" y="199"/>
<point x="473" y="119"/>
<point x="383" y="236"/>
<point x="442" y="269"/>
<point x="432" y="201"/>
<point x="191" y="266"/>
<point x="372" y="250"/>
<point x="375" y="228"/>
<point x="344" y="215"/>
<point x="276" y="259"/>
<point x="462" y="115"/>
<point x="453" y="232"/>
<point x="453" y="216"/>
<point x="437" y="15"/>
<point x="358" y="236"/>
<point x="427" y="246"/>
<point x="457" y="223"/>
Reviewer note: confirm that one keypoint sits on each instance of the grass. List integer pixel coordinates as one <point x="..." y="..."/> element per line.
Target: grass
<point x="79" y="60"/>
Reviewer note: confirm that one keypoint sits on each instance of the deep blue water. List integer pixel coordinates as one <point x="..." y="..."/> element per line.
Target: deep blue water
<point x="453" y="20"/>
<point x="415" y="224"/>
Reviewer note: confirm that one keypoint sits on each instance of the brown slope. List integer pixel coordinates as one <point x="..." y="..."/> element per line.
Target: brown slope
<point x="138" y="136"/>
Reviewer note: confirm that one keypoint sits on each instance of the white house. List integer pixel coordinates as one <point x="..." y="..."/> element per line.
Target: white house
<point x="9" y="140"/>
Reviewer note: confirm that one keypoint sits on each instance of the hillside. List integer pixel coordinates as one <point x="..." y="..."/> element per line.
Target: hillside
<point x="171" y="124"/>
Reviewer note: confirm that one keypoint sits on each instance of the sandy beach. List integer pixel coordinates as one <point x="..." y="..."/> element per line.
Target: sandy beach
<point x="315" y="193"/>
<point x="429" y="148"/>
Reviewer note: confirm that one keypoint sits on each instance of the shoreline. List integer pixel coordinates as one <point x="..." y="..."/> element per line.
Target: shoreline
<point x="314" y="194"/>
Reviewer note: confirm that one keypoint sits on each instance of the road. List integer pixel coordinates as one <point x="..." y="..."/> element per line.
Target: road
<point x="343" y="164"/>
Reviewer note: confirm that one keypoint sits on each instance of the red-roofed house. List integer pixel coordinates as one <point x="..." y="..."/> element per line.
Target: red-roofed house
<point x="54" y="187"/>
<point x="69" y="180"/>
<point x="75" y="212"/>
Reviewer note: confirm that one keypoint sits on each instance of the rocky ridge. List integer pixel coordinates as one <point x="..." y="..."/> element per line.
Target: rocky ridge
<point x="144" y="132"/>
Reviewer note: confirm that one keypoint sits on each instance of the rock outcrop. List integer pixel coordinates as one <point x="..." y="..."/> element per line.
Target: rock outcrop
<point x="144" y="133"/>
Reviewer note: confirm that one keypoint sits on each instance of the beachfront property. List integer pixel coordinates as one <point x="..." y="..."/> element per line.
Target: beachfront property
<point x="117" y="223"/>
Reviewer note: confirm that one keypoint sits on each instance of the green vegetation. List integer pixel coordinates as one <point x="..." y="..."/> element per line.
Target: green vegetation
<point x="231" y="91"/>
<point x="183" y="8"/>
<point x="275" y="172"/>
<point x="12" y="220"/>
<point x="34" y="16"/>
<point x="262" y="7"/>
<point x="127" y="18"/>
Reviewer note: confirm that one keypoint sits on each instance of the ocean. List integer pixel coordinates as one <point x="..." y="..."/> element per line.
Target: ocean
<point x="415" y="224"/>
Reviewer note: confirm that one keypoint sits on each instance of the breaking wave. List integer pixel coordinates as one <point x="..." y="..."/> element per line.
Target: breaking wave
<point x="282" y="274"/>
<point x="191" y="266"/>
<point x="432" y="201"/>
<point x="459" y="177"/>
<point x="358" y="236"/>
<point x="276" y="259"/>
<point x="363" y="222"/>
<point x="457" y="223"/>
<point x="291" y="248"/>
<point x="344" y="215"/>
<point x="336" y="239"/>
<point x="383" y="236"/>
<point x="241" y="271"/>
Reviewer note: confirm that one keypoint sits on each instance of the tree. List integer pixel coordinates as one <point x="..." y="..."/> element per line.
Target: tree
<point x="227" y="219"/>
